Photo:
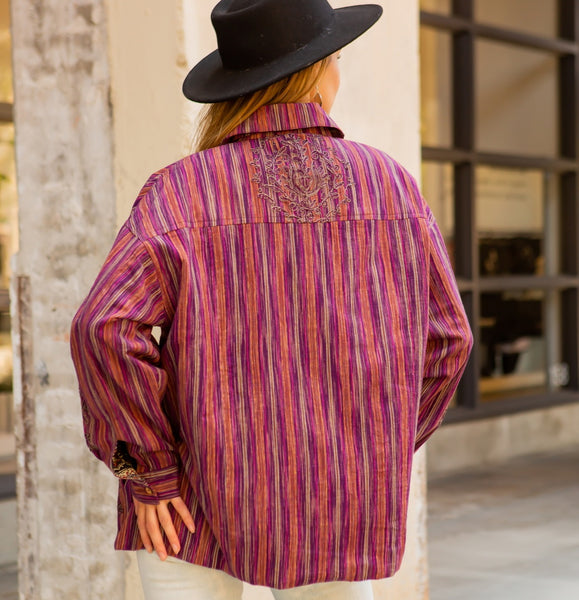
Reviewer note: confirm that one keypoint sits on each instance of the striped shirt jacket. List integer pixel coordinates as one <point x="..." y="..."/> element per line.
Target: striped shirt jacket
<point x="311" y="339"/>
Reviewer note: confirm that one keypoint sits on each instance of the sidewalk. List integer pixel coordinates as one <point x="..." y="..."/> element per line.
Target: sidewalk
<point x="8" y="554"/>
<point x="506" y="533"/>
<point x="8" y="582"/>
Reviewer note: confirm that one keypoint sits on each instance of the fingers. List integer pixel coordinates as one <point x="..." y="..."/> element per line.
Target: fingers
<point x="142" y="525"/>
<point x="153" y="529"/>
<point x="153" y="519"/>
<point x="167" y="524"/>
<point x="184" y="513"/>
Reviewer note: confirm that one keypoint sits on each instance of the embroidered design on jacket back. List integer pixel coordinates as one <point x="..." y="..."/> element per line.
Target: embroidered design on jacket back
<point x="301" y="177"/>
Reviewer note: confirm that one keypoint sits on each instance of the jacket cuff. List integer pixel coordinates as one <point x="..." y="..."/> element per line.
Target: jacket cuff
<point x="149" y="487"/>
<point x="152" y="487"/>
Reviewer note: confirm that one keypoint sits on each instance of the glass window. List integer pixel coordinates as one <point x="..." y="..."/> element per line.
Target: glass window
<point x="5" y="54"/>
<point x="510" y="221"/>
<point x="436" y="87"/>
<point x="510" y="201"/>
<point x="520" y="343"/>
<point x="8" y="202"/>
<point x="441" y="6"/>
<point x="505" y="227"/>
<point x="538" y="17"/>
<point x="517" y="109"/>
<point x="8" y="237"/>
<point x="513" y="343"/>
<point x="438" y="191"/>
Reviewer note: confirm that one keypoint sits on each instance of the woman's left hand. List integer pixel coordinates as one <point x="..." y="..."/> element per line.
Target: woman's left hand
<point x="152" y="517"/>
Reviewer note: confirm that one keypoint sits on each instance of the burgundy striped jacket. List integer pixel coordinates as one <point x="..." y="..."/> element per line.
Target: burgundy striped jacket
<point x="311" y="339"/>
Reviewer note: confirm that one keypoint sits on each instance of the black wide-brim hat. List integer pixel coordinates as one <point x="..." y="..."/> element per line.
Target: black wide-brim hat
<point x="262" y="41"/>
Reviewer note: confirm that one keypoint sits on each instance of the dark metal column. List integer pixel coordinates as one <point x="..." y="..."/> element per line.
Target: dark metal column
<point x="466" y="244"/>
<point x="569" y="96"/>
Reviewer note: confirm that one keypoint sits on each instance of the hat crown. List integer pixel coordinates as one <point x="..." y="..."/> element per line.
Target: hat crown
<point x="262" y="41"/>
<point x="252" y="33"/>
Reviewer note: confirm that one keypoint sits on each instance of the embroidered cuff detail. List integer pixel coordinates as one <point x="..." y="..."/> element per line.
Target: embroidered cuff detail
<point x="123" y="465"/>
<point x="149" y="488"/>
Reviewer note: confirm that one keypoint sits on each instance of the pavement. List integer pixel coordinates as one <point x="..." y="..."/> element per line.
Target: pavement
<point x="8" y="539"/>
<point x="506" y="533"/>
<point x="509" y="532"/>
<point x="7" y="454"/>
<point x="8" y="582"/>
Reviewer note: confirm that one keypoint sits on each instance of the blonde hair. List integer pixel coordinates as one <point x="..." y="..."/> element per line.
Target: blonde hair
<point x="218" y="120"/>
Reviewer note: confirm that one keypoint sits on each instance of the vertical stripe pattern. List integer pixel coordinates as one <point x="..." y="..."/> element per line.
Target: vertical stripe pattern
<point x="312" y="338"/>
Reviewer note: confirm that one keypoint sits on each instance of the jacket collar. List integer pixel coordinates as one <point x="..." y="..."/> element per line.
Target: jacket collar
<point x="286" y="117"/>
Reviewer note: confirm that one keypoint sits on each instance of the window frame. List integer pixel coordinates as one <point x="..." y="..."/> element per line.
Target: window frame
<point x="465" y="158"/>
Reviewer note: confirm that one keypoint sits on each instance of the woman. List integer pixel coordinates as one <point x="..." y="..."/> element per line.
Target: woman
<point x="311" y="331"/>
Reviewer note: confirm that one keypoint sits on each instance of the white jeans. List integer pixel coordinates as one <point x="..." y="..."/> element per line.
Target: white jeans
<point x="175" y="579"/>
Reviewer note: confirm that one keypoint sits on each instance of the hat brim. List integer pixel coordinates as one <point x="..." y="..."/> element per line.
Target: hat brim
<point x="210" y="82"/>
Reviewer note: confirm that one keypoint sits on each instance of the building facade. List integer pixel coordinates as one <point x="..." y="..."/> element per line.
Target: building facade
<point x="499" y="149"/>
<point x="488" y="88"/>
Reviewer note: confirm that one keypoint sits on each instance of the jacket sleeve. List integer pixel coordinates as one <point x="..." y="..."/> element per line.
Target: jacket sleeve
<point x="449" y="339"/>
<point x="120" y="376"/>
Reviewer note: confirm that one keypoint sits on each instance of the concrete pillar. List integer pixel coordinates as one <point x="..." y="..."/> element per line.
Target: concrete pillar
<point x="67" y="222"/>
